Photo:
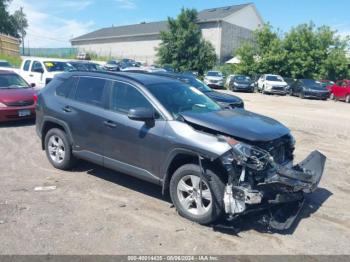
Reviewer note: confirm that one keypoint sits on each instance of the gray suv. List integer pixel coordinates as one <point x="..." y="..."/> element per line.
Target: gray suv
<point x="212" y="160"/>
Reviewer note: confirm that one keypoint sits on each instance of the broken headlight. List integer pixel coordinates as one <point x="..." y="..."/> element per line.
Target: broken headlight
<point x="246" y="155"/>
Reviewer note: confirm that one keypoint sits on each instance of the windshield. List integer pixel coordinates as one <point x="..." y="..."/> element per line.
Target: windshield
<point x="4" y="64"/>
<point x="179" y="97"/>
<point x="312" y="84"/>
<point x="214" y="73"/>
<point x="12" y="81"/>
<point x="242" y="78"/>
<point x="274" y="78"/>
<point x="197" y="84"/>
<point x="52" y="66"/>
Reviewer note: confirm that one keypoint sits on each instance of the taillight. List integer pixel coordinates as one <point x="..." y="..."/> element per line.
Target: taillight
<point x="35" y="97"/>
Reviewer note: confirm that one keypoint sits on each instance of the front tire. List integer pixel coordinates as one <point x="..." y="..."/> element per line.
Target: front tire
<point x="185" y="194"/>
<point x="301" y="95"/>
<point x="58" y="149"/>
<point x="347" y="99"/>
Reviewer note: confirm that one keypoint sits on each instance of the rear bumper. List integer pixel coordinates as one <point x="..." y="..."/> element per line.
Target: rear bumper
<point x="8" y="114"/>
<point x="282" y="193"/>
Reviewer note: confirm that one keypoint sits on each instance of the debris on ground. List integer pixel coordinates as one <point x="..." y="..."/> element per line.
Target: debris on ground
<point x="45" y="188"/>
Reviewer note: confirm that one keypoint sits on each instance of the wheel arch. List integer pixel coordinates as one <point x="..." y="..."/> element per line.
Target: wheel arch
<point x="50" y="123"/>
<point x="180" y="157"/>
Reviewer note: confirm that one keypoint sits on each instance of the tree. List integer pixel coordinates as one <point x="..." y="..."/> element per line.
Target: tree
<point x="183" y="46"/>
<point x="303" y="52"/>
<point x="14" y="25"/>
<point x="6" y="24"/>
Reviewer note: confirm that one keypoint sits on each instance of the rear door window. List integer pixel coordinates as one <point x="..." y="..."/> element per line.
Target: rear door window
<point x="65" y="86"/>
<point x="91" y="91"/>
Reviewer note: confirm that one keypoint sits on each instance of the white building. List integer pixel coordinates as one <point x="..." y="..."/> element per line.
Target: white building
<point x="225" y="27"/>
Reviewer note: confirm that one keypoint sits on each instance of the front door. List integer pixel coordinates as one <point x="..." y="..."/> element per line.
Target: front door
<point x="133" y="147"/>
<point x="36" y="74"/>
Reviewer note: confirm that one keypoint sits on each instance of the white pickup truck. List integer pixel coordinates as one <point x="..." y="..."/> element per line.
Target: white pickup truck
<point x="39" y="72"/>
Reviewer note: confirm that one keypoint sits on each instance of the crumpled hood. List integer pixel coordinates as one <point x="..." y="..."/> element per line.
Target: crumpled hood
<point x="239" y="124"/>
<point x="224" y="98"/>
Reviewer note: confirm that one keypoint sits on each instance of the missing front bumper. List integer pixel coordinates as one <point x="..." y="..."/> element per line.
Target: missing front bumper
<point x="285" y="206"/>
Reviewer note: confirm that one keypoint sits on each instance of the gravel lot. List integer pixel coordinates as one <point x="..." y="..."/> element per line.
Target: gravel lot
<point x="96" y="211"/>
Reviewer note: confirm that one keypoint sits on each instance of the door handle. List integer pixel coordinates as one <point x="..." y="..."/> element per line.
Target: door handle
<point x="31" y="75"/>
<point x="110" y="124"/>
<point x="67" y="109"/>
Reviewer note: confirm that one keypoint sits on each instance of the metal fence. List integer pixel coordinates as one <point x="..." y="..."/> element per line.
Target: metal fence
<point x="9" y="45"/>
<point x="65" y="52"/>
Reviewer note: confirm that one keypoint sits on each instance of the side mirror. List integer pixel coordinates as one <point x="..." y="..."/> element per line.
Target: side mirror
<point x="32" y="85"/>
<point x="141" y="114"/>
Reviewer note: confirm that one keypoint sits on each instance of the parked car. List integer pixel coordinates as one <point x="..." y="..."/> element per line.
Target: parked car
<point x="17" y="97"/>
<point x="40" y="71"/>
<point x="290" y="82"/>
<point x="272" y="84"/>
<point x="309" y="88"/>
<point x="112" y="65"/>
<point x="214" y="79"/>
<point x="229" y="79"/>
<point x="341" y="90"/>
<point x="83" y="56"/>
<point x="85" y="66"/>
<point x="4" y="65"/>
<point x="327" y="83"/>
<point x="224" y="100"/>
<point x="211" y="160"/>
<point x="241" y="83"/>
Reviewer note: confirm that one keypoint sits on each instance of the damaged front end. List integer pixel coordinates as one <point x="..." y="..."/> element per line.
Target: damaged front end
<point x="264" y="178"/>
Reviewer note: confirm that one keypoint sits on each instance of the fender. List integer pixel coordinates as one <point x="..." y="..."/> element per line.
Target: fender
<point x="172" y="155"/>
<point x="61" y="123"/>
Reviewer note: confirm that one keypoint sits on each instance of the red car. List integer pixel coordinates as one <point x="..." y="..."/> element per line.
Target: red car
<point x="327" y="84"/>
<point x="341" y="90"/>
<point x="17" y="97"/>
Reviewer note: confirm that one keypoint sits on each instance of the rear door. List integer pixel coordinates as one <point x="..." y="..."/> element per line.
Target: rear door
<point x="25" y="70"/>
<point x="133" y="147"/>
<point x="85" y="113"/>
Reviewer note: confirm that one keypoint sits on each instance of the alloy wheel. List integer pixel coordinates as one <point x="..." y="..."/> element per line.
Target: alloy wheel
<point x="56" y="149"/>
<point x="189" y="195"/>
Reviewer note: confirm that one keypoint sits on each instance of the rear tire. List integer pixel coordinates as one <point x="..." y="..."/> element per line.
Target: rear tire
<point x="185" y="195"/>
<point x="58" y="149"/>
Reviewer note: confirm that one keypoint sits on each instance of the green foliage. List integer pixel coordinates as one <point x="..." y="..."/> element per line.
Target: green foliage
<point x="13" y="60"/>
<point x="304" y="52"/>
<point x="183" y="46"/>
<point x="14" y="25"/>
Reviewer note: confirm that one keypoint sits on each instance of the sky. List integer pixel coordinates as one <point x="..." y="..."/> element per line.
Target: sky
<point x="53" y="22"/>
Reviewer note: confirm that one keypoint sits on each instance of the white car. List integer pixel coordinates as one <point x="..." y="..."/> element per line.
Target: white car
<point x="39" y="72"/>
<point x="214" y="79"/>
<point x="273" y="84"/>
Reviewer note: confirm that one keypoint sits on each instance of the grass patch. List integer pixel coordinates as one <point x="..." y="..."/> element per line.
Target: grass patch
<point x="13" y="60"/>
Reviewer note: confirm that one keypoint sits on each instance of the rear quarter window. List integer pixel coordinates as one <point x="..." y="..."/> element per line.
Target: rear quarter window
<point x="26" y="65"/>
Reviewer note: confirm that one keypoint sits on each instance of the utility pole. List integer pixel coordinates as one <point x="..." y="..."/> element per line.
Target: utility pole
<point x="22" y="28"/>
